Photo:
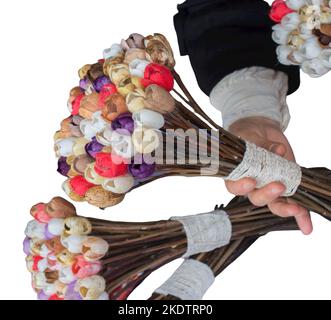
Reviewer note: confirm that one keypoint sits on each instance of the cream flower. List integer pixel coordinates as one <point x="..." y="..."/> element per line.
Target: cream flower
<point x="148" y="119"/>
<point x="119" y="185"/>
<point x="314" y="68"/>
<point x="112" y="52"/>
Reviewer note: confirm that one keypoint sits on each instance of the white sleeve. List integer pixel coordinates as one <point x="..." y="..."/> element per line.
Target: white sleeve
<point x="251" y="92"/>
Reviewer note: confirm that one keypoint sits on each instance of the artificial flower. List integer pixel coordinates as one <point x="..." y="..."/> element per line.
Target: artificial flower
<point x="159" y="99"/>
<point x="110" y="165"/>
<point x="80" y="185"/>
<point x="123" y="123"/>
<point x="101" y="198"/>
<point x="159" y="75"/>
<point x="148" y="118"/>
<point x="135" y="40"/>
<point x="279" y="9"/>
<point x="94" y="248"/>
<point x="114" y="106"/>
<point x="119" y="185"/>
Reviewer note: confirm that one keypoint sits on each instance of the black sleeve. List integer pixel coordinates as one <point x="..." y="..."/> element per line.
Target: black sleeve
<point x="222" y="36"/>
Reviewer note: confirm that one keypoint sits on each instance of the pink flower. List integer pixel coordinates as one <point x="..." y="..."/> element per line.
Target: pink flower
<point x="83" y="269"/>
<point x="279" y="9"/>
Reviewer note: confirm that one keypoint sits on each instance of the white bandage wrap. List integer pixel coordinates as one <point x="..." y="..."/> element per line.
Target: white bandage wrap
<point x="206" y="232"/>
<point x="189" y="282"/>
<point x="252" y="92"/>
<point x="266" y="167"/>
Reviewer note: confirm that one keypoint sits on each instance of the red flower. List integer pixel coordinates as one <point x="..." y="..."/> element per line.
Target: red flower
<point x="80" y="185"/>
<point x="55" y="297"/>
<point x="110" y="165"/>
<point x="36" y="260"/>
<point x="279" y="9"/>
<point x="38" y="211"/>
<point x="76" y="104"/>
<point x="106" y="91"/>
<point x="159" y="75"/>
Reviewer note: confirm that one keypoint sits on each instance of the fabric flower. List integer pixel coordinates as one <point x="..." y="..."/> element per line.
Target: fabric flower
<point x="110" y="165"/>
<point x="279" y="9"/>
<point x="280" y="34"/>
<point x="149" y="119"/>
<point x="38" y="211"/>
<point x="89" y="105"/>
<point x="100" y="82"/>
<point x="96" y="71"/>
<point x="310" y="49"/>
<point x="296" y="4"/>
<point x="158" y="74"/>
<point x="159" y="99"/>
<point x="159" y="50"/>
<point x="91" y="288"/>
<point x="114" y="51"/>
<point x="106" y="91"/>
<point x="83" y="269"/>
<point x="119" y="185"/>
<point x="60" y="208"/>
<point x="77" y="226"/>
<point x="82" y="72"/>
<point x="315" y="68"/>
<point x="62" y="166"/>
<point x="123" y="123"/>
<point x="137" y="67"/>
<point x="114" y="106"/>
<point x="93" y="147"/>
<point x="81" y="162"/>
<point x="135" y="100"/>
<point x="64" y="147"/>
<point x="101" y="198"/>
<point x="80" y="185"/>
<point x="119" y="73"/>
<point x="74" y="245"/>
<point x="145" y="140"/>
<point x="135" y="40"/>
<point x="90" y="128"/>
<point x="94" y="248"/>
<point x="133" y="54"/>
<point x="291" y="21"/>
<point x="74" y="107"/>
<point x="142" y="170"/>
<point x="122" y="144"/>
<point x="55" y="226"/>
<point x="35" y="229"/>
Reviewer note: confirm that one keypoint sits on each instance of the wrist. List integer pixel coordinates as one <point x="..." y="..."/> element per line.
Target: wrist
<point x="252" y="92"/>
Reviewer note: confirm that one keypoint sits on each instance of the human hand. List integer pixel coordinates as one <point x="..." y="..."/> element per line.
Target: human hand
<point x="267" y="134"/>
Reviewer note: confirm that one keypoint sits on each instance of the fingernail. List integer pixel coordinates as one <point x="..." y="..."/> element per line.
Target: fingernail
<point x="275" y="191"/>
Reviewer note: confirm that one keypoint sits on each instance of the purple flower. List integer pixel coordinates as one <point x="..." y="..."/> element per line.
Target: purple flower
<point x="42" y="295"/>
<point x="62" y="166"/>
<point x="100" y="82"/>
<point x="48" y="235"/>
<point x="26" y="246"/>
<point x="84" y="83"/>
<point x="142" y="170"/>
<point x="71" y="294"/>
<point x="124" y="123"/>
<point x="93" y="147"/>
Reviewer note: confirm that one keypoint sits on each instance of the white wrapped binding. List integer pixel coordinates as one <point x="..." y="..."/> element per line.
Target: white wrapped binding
<point x="206" y="232"/>
<point x="189" y="282"/>
<point x="266" y="167"/>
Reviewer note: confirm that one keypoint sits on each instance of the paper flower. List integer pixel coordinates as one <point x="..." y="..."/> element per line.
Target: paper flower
<point x="93" y="147"/>
<point x="123" y="124"/>
<point x="159" y="75"/>
<point x="110" y="165"/>
<point x="278" y="10"/>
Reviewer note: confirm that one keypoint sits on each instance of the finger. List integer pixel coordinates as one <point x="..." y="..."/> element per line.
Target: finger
<point x="267" y="194"/>
<point x="241" y="187"/>
<point x="304" y="222"/>
<point x="282" y="208"/>
<point x="275" y="147"/>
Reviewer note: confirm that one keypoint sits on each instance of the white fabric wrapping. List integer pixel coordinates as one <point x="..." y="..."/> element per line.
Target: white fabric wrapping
<point x="189" y="282"/>
<point x="252" y="92"/>
<point x="266" y="167"/>
<point x="206" y="232"/>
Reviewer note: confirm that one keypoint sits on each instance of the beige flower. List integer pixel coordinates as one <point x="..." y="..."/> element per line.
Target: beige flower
<point x="60" y="208"/>
<point x="101" y="198"/>
<point x="81" y="162"/>
<point x="159" y="99"/>
<point x="94" y="248"/>
<point x="114" y="106"/>
<point x="159" y="50"/>
<point x="135" y="100"/>
<point x="77" y="226"/>
<point x="135" y="40"/>
<point x="133" y="54"/>
<point x="89" y="105"/>
<point x="82" y="73"/>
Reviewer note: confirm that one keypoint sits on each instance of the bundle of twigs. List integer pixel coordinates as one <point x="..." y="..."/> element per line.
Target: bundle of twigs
<point x="72" y="257"/>
<point x="123" y="113"/>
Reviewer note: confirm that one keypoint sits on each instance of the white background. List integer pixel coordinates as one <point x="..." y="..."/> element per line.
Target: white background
<point x="43" y="44"/>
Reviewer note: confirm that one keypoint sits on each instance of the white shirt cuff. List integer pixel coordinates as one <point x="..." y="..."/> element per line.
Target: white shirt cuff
<point x="252" y="92"/>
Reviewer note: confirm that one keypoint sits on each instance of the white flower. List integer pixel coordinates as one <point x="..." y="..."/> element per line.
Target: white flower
<point x="296" y="4"/>
<point x="91" y="288"/>
<point x="283" y="53"/>
<point x="73" y="243"/>
<point x="50" y="289"/>
<point x="291" y="21"/>
<point x="44" y="251"/>
<point x="122" y="145"/>
<point x="115" y="50"/>
<point x="64" y="147"/>
<point x="91" y="176"/>
<point x="66" y="276"/>
<point x="104" y="137"/>
<point x="94" y="248"/>
<point x="325" y="58"/>
<point x="311" y="48"/>
<point x="90" y="128"/>
<point x="35" y="229"/>
<point x="56" y="226"/>
<point x="314" y="68"/>
<point x="137" y="67"/>
<point x="119" y="185"/>
<point x="42" y="265"/>
<point x="305" y="30"/>
<point x="280" y="34"/>
<point x="145" y="140"/>
<point x="77" y="226"/>
<point x="297" y="58"/>
<point x="148" y="119"/>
